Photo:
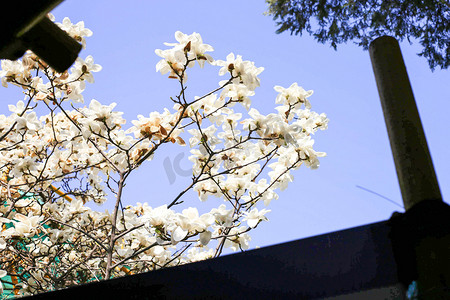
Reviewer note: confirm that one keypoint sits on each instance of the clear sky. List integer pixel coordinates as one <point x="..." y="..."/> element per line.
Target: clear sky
<point x="126" y="33"/>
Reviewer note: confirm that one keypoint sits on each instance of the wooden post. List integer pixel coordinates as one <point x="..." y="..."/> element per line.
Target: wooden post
<point x="424" y="234"/>
<point x="25" y="26"/>
<point x="415" y="170"/>
<point x="52" y="44"/>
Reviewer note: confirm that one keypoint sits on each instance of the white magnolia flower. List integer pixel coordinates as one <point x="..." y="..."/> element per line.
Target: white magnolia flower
<point x="178" y="234"/>
<point x="77" y="31"/>
<point x="83" y="69"/>
<point x="254" y="217"/>
<point x="200" y="253"/>
<point x="194" y="46"/>
<point x="238" y="239"/>
<point x="205" y="237"/>
<point x="293" y="95"/>
<point x="28" y="121"/>
<point x="173" y="61"/>
<point x="223" y="215"/>
<point x="244" y="72"/>
<point x="74" y="90"/>
<point x="18" y="108"/>
<point x="12" y="71"/>
<point x="239" y="93"/>
<point x="26" y="226"/>
<point x="190" y="220"/>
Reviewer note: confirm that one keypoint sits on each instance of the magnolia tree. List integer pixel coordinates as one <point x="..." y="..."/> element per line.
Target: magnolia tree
<point x="54" y="164"/>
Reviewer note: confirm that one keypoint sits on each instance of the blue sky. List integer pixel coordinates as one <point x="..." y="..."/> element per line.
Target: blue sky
<point x="318" y="201"/>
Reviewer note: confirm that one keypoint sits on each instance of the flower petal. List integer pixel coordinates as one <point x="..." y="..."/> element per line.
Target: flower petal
<point x="179" y="234"/>
<point x="205" y="237"/>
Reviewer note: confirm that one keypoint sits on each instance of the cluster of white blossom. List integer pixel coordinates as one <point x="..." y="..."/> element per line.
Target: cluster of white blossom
<point x="52" y="165"/>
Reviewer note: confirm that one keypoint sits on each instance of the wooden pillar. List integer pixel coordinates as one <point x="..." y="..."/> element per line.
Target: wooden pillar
<point x="423" y="232"/>
<point x="415" y="170"/>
